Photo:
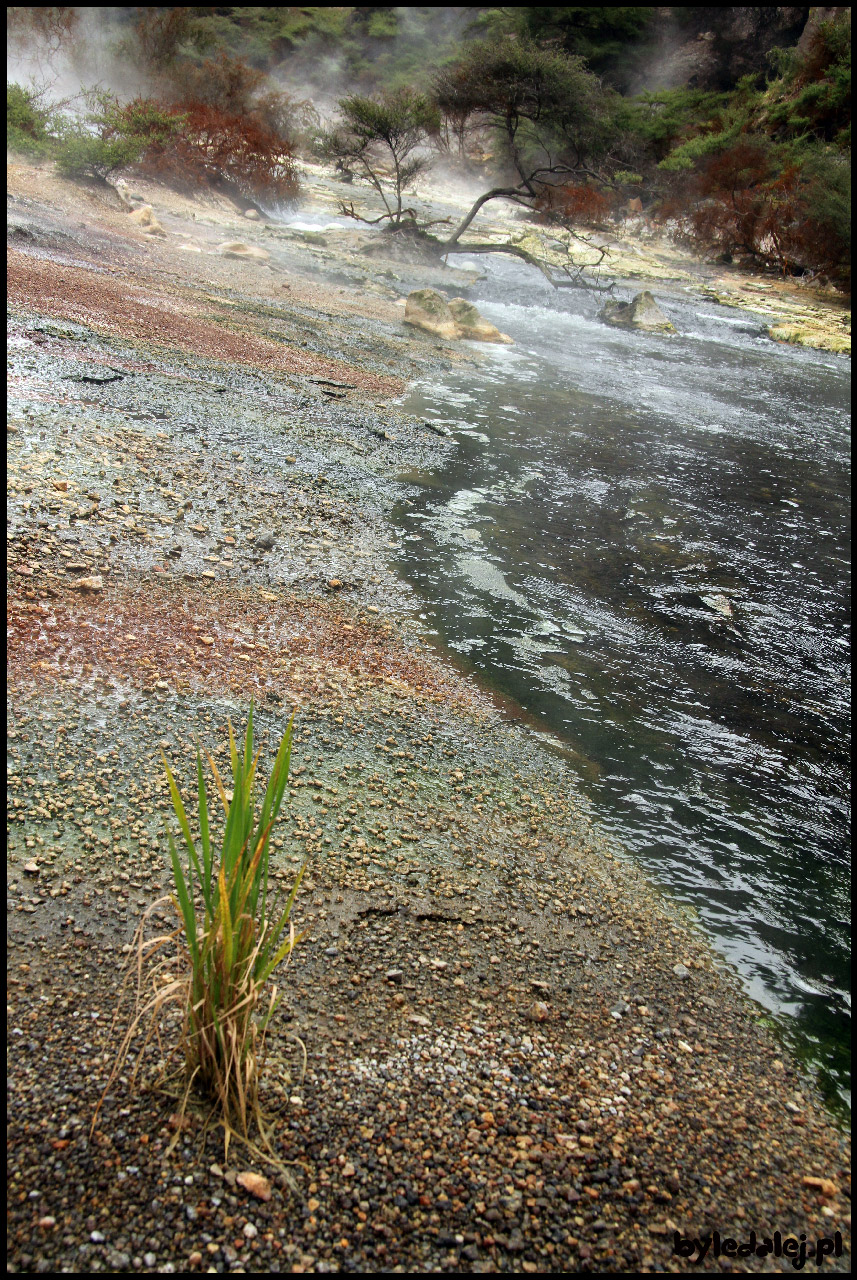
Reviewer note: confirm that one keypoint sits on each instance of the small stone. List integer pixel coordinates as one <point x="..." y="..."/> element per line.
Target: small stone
<point x="256" y="1184"/>
<point x="61" y="485"/>
<point x="31" y="868"/>
<point x="335" y="583"/>
<point x="149" y="1259"/>
<point x="538" y="1011"/>
<point x="250" y="1232"/>
<point x="265" y="539"/>
<point x="824" y="1186"/>
<point x="93" y="583"/>
<point x="395" y="975"/>
<point x="47" y="1222"/>
<point x="681" y="971"/>
<point x="348" y="1170"/>
<point x="97" y="1237"/>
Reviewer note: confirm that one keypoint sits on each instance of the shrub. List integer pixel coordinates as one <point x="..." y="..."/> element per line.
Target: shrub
<point x="112" y="137"/>
<point x="29" y="122"/>
<point x="239" y="154"/>
<point x="381" y="137"/>
<point x="46" y="30"/>
<point x="233" y="936"/>
<point x="581" y="205"/>
<point x="790" y="209"/>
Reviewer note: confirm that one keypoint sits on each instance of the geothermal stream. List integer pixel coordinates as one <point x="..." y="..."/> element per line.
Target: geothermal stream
<point x="642" y="541"/>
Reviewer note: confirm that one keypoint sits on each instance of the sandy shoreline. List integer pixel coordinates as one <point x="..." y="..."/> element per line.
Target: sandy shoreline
<point x="521" y="1056"/>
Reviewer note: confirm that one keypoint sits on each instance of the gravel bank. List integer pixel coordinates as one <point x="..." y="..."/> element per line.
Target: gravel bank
<point x="520" y="1056"/>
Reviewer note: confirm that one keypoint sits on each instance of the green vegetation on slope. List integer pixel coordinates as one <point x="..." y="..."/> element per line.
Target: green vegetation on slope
<point x="756" y="164"/>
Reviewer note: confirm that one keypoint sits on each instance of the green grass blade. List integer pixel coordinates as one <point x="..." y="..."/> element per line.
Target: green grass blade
<point x="276" y="931"/>
<point x="248" y="739"/>
<point x="187" y="910"/>
<point x="261" y="858"/>
<point x="178" y="806"/>
<point x="225" y="920"/>
<point x="272" y="801"/>
<point x="204" y="834"/>
<point x="286" y="949"/>
<point x="233" y="754"/>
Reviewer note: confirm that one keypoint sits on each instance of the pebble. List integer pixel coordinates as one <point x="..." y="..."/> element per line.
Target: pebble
<point x="256" y="1183"/>
<point x="94" y="582"/>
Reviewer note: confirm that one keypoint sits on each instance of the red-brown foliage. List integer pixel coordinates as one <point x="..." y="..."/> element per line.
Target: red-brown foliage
<point x="49" y="27"/>
<point x="224" y="82"/>
<point x="743" y="200"/>
<point x="576" y="204"/>
<point x="236" y="153"/>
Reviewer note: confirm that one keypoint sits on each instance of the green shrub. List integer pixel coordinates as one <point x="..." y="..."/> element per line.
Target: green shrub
<point x="111" y="137"/>
<point x="29" y="121"/>
<point x="83" y="155"/>
<point x="233" y="935"/>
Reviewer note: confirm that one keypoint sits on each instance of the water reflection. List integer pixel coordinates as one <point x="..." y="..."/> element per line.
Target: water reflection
<point x="643" y="541"/>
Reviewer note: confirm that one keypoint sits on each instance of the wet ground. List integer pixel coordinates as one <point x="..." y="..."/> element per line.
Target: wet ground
<point x="646" y="542"/>
<point x="520" y="1056"/>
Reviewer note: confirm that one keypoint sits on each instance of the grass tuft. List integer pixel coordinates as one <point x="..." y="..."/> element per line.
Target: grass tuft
<point x="232" y="936"/>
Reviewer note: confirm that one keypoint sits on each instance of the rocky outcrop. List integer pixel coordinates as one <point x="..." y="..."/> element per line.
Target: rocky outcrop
<point x="642" y="312"/>
<point x="707" y="47"/>
<point x="473" y="325"/>
<point x="147" y="222"/>
<point x="429" y="310"/>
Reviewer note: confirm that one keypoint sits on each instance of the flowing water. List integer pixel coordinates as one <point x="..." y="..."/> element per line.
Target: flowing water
<point x="643" y="541"/>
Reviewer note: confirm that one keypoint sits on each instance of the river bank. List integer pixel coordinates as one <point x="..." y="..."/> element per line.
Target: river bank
<point x="520" y="1055"/>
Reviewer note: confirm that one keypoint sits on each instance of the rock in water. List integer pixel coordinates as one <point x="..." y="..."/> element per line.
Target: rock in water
<point x="719" y="604"/>
<point x="427" y="309"/>
<point x="473" y="325"/>
<point x="641" y="312"/>
<point x="238" y="249"/>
